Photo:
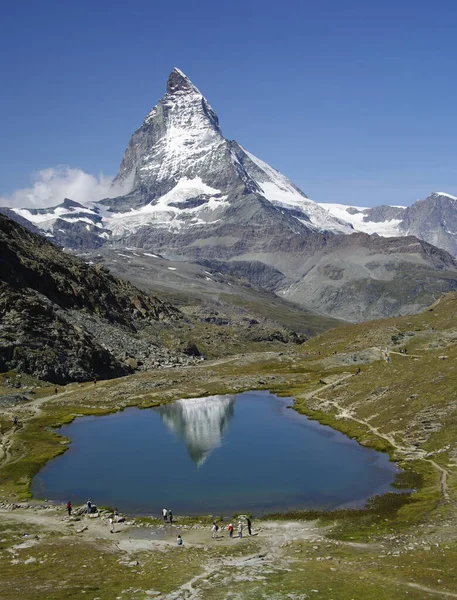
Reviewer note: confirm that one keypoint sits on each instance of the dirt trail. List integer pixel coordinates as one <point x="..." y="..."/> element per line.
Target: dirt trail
<point x="407" y="451"/>
<point x="327" y="386"/>
<point x="406" y="355"/>
<point x="431" y="590"/>
<point x="25" y="412"/>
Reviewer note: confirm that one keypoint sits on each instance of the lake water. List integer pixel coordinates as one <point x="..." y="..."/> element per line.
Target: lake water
<point x="215" y="455"/>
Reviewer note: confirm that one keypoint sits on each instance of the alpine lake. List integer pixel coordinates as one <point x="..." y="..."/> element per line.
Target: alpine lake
<point x="218" y="455"/>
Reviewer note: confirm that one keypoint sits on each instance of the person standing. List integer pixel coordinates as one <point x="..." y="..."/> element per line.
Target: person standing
<point x="69" y="508"/>
<point x="111" y="524"/>
<point x="230" y="530"/>
<point x="248" y="523"/>
<point x="240" y="529"/>
<point x="116" y="515"/>
<point x="165" y="514"/>
<point x="89" y="507"/>
<point x="170" y="516"/>
<point x="214" y="530"/>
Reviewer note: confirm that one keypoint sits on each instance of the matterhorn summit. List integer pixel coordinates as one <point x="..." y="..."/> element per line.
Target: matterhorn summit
<point x="184" y="173"/>
<point x="179" y="140"/>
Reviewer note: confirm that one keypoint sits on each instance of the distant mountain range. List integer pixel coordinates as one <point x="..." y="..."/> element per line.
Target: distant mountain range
<point x="433" y="220"/>
<point x="195" y="196"/>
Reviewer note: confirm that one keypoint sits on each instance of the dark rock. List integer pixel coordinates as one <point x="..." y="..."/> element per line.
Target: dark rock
<point x="62" y="320"/>
<point x="191" y="349"/>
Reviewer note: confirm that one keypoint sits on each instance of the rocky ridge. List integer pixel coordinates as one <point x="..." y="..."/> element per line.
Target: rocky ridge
<point x="63" y="320"/>
<point x="433" y="220"/>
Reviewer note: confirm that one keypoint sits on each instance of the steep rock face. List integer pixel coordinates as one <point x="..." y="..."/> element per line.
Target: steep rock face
<point x="42" y="293"/>
<point x="180" y="139"/>
<point x="379" y="214"/>
<point x="285" y="195"/>
<point x="433" y="220"/>
<point x="185" y="174"/>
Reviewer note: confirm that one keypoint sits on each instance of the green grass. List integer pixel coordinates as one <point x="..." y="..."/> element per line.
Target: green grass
<point x="402" y="397"/>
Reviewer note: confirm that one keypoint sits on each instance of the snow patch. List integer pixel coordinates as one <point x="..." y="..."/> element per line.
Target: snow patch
<point x="161" y="213"/>
<point x="446" y="195"/>
<point x="382" y="228"/>
<point x="281" y="192"/>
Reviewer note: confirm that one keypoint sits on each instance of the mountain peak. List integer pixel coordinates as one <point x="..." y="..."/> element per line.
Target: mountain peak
<point x="442" y="194"/>
<point x="179" y="82"/>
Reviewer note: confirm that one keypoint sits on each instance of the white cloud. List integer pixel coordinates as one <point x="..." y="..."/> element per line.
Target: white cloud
<point x="50" y="187"/>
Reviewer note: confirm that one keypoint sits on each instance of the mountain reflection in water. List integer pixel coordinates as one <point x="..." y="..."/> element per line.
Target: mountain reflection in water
<point x="200" y="422"/>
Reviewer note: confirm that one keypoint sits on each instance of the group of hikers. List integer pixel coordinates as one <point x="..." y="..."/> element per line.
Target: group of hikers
<point x="91" y="508"/>
<point x="230" y="528"/>
<point x="167" y="515"/>
<point x="215" y="528"/>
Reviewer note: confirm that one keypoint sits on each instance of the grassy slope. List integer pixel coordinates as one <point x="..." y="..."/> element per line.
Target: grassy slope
<point x="410" y="406"/>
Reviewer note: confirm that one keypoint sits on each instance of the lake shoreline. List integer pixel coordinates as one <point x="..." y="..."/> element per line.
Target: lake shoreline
<point x="57" y="444"/>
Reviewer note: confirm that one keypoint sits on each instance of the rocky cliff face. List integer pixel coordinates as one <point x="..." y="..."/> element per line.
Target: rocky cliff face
<point x="433" y="220"/>
<point x="64" y="320"/>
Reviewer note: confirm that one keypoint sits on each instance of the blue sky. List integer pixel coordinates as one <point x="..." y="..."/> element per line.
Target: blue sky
<point x="353" y="100"/>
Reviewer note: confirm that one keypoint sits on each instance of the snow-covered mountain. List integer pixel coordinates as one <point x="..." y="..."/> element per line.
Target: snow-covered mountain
<point x="182" y="174"/>
<point x="70" y="224"/>
<point x="383" y="220"/>
<point x="433" y="220"/>
<point x="196" y="196"/>
<point x="185" y="173"/>
<point x="200" y="422"/>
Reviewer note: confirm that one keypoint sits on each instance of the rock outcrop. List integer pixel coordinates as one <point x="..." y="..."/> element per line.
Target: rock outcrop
<point x="63" y="320"/>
